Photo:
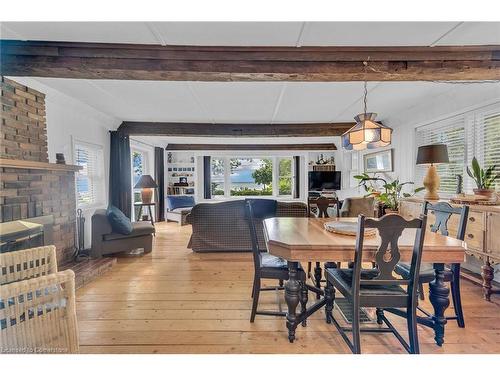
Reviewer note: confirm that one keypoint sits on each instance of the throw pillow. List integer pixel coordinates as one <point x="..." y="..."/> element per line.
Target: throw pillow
<point x="119" y="222"/>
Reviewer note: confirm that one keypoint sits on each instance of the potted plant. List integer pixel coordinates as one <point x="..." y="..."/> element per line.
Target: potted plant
<point x="484" y="179"/>
<point x="392" y="191"/>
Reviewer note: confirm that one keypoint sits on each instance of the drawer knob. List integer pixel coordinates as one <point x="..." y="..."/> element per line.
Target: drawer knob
<point x="470" y="235"/>
<point x="472" y="219"/>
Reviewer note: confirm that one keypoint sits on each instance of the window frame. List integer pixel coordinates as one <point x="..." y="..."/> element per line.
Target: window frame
<point x="100" y="180"/>
<point x="473" y="129"/>
<point x="275" y="173"/>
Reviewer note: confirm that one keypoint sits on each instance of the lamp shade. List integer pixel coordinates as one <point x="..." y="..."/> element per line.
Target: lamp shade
<point x="146" y="182"/>
<point x="366" y="134"/>
<point x="432" y="154"/>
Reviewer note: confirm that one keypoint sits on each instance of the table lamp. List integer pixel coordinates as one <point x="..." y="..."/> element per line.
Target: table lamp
<point x="432" y="154"/>
<point x="147" y="184"/>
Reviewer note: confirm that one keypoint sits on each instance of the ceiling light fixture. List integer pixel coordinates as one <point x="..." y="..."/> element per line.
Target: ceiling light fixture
<point x="366" y="134"/>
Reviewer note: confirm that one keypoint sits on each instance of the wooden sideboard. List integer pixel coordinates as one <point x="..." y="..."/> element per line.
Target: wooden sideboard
<point x="482" y="235"/>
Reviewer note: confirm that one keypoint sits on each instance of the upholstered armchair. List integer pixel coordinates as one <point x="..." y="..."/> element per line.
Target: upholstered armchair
<point x="352" y="207"/>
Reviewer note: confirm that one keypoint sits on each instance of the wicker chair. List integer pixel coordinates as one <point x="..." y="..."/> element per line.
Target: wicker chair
<point x="37" y="303"/>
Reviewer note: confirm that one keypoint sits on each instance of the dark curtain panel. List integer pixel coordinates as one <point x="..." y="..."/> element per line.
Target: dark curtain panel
<point x="207" y="182"/>
<point x="296" y="181"/>
<point x="120" y="175"/>
<point x="160" y="181"/>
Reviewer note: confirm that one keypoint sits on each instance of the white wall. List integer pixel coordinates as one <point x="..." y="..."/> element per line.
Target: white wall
<point x="69" y="119"/>
<point x="459" y="99"/>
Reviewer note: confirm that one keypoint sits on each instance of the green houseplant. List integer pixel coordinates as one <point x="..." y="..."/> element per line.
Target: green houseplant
<point x="484" y="179"/>
<point x="392" y="191"/>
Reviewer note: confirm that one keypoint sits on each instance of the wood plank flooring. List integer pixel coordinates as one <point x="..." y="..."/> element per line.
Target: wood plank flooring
<point x="176" y="301"/>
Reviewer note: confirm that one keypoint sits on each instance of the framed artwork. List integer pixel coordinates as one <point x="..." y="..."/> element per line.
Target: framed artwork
<point x="378" y="161"/>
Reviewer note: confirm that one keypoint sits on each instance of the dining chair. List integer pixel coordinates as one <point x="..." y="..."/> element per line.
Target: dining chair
<point x="384" y="292"/>
<point x="322" y="204"/>
<point x="268" y="266"/>
<point x="442" y="212"/>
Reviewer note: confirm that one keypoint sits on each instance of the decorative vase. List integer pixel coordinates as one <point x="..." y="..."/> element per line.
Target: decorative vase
<point x="390" y="211"/>
<point x="484" y="192"/>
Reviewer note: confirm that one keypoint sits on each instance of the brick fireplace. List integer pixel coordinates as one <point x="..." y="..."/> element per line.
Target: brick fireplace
<point x="31" y="187"/>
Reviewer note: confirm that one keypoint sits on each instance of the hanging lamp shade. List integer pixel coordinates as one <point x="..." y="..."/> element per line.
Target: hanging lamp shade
<point x="366" y="134"/>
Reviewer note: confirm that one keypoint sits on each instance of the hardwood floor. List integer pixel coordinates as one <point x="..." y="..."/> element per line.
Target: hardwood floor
<point x="176" y="301"/>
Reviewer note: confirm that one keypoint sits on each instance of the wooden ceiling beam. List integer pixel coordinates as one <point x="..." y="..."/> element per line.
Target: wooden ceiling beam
<point x="252" y="147"/>
<point x="182" y="129"/>
<point x="199" y="63"/>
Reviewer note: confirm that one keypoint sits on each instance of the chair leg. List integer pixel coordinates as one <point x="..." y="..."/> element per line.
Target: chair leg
<point x="309" y="268"/>
<point x="457" y="300"/>
<point x="411" y="321"/>
<point x="253" y="286"/>
<point x="303" y="300"/>
<point x="329" y="299"/>
<point x="421" y="291"/>
<point x="281" y="283"/>
<point x="255" y="303"/>
<point x="317" y="278"/>
<point x="380" y="315"/>
<point x="356" y="339"/>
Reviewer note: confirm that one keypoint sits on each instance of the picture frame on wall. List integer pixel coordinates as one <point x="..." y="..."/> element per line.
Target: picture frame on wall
<point x="381" y="161"/>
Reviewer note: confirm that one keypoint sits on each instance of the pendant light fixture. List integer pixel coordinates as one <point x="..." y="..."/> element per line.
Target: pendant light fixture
<point x="366" y="134"/>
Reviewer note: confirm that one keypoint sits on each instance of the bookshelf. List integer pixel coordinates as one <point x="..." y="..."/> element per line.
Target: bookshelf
<point x="181" y="173"/>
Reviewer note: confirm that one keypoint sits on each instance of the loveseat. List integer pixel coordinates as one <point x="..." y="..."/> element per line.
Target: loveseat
<point x="222" y="226"/>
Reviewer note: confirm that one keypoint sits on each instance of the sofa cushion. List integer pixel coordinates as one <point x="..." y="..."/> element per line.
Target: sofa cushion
<point x="181" y="210"/>
<point x="140" y="228"/>
<point x="179" y="201"/>
<point x="119" y="222"/>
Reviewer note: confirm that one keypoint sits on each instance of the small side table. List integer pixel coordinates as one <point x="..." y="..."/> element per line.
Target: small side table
<point x="148" y="205"/>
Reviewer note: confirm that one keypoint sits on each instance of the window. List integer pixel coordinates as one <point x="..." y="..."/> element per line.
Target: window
<point x="452" y="133"/>
<point x="475" y="133"/>
<point x="285" y="176"/>
<point x="217" y="178"/>
<point x="251" y="176"/>
<point x="90" y="179"/>
<point x="486" y="148"/>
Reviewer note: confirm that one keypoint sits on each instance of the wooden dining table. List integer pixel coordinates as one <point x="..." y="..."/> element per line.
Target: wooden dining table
<point x="300" y="239"/>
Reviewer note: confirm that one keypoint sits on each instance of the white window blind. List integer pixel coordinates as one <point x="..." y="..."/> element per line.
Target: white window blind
<point x="90" y="179"/>
<point x="475" y="133"/>
<point x="486" y="147"/>
<point x="452" y="133"/>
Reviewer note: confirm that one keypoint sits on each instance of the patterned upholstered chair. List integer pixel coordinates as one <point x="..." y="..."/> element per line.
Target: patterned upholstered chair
<point x="385" y="292"/>
<point x="442" y="212"/>
<point x="268" y="266"/>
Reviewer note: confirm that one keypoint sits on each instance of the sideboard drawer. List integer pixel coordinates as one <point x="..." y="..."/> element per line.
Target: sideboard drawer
<point x="474" y="231"/>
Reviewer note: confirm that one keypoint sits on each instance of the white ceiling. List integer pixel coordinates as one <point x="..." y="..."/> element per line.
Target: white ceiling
<point x="249" y="102"/>
<point x="253" y="102"/>
<point x="260" y="33"/>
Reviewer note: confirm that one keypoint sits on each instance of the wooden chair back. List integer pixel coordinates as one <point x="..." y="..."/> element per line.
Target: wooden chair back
<point x="253" y="235"/>
<point x="390" y="227"/>
<point x="443" y="212"/>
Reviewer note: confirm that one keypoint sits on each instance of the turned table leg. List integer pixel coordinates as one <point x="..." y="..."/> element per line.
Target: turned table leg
<point x="317" y="278"/>
<point x="487" y="274"/>
<point x="292" y="291"/>
<point x="439" y="297"/>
